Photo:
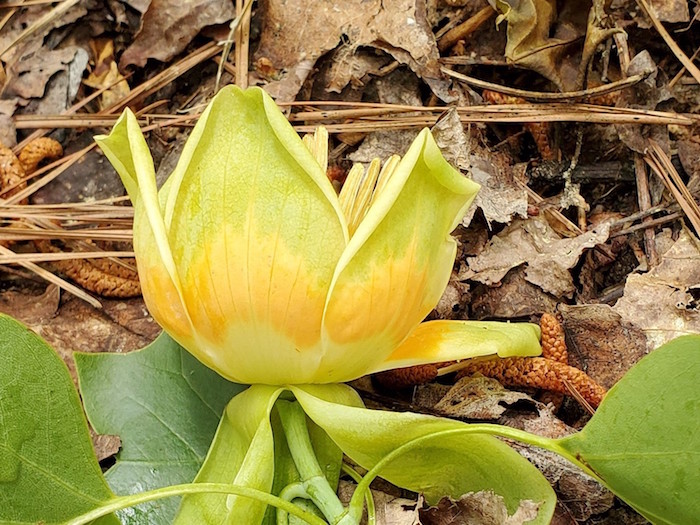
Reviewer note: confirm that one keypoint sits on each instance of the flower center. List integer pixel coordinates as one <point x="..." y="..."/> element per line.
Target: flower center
<point x="362" y="186"/>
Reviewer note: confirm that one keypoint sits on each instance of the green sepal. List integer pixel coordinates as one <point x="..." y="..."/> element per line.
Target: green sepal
<point x="448" y="461"/>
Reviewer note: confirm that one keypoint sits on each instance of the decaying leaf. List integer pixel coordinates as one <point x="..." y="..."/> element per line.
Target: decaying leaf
<point x="478" y="397"/>
<point x="665" y="302"/>
<point x="478" y="508"/>
<point x="351" y="66"/>
<point x="31" y="75"/>
<point x="501" y="197"/>
<point x="606" y="346"/>
<point x="583" y="496"/>
<point x="534" y="243"/>
<point x="296" y="34"/>
<point x="389" y="510"/>
<point x="169" y="25"/>
<point x="106" y="74"/>
<point x="665" y="11"/>
<point x="515" y="297"/>
<point x="529" y="43"/>
<point x="383" y="144"/>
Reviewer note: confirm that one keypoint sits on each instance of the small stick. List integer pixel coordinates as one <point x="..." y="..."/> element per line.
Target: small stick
<point x="466" y="28"/>
<point x="543" y="95"/>
<point x="644" y="201"/>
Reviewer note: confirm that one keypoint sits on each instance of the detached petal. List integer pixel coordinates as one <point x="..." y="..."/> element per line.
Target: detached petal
<point x="397" y="263"/>
<point x="256" y="233"/>
<point x="128" y="152"/>
<point x="440" y="341"/>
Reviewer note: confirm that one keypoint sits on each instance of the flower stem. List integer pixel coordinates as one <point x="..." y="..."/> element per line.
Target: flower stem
<point x="369" y="499"/>
<point x="123" y="502"/>
<point x="312" y="477"/>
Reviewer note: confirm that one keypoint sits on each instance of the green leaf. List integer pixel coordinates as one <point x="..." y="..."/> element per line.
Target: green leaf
<point x="48" y="469"/>
<point x="643" y="440"/>
<point x="450" y="460"/>
<point x="165" y="406"/>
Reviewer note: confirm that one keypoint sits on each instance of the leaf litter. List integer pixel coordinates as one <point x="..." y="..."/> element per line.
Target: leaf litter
<point x="529" y="245"/>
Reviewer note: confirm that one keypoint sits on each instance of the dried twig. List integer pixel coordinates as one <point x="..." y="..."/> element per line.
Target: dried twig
<point x="677" y="51"/>
<point x="612" y="87"/>
<point x="466" y="28"/>
<point x="660" y="164"/>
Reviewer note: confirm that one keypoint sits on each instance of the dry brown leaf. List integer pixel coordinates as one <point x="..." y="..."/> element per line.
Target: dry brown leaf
<point x="478" y="508"/>
<point x="515" y="297"/>
<point x="383" y="144"/>
<point x="605" y="346"/>
<point x="665" y="302"/>
<point x="478" y="397"/>
<point x="169" y="25"/>
<point x="30" y="76"/>
<point x="671" y="10"/>
<point x="501" y="197"/>
<point x="296" y="34"/>
<point x="106" y="74"/>
<point x="536" y="245"/>
<point x="529" y="44"/>
<point x="351" y="66"/>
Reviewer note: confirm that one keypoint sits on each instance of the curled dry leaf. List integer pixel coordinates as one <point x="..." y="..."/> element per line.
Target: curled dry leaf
<point x="529" y="44"/>
<point x="533" y="243"/>
<point x="106" y="74"/>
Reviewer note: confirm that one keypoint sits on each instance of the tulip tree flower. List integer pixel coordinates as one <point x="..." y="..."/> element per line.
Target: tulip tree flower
<point x="250" y="260"/>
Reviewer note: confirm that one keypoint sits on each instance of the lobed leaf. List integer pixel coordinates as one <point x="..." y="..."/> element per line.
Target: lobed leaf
<point x="48" y="469"/>
<point x="165" y="406"/>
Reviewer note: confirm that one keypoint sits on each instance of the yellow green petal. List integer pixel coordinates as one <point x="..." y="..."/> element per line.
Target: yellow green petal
<point x="256" y="233"/>
<point x="397" y="264"/>
<point x="126" y="149"/>
<point x="440" y="341"/>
